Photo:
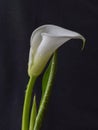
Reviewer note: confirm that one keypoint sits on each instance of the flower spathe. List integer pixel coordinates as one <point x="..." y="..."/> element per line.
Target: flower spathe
<point x="44" y="41"/>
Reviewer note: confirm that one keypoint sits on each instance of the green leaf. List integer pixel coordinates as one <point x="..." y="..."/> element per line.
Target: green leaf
<point x="33" y="114"/>
<point x="46" y="91"/>
<point x="45" y="78"/>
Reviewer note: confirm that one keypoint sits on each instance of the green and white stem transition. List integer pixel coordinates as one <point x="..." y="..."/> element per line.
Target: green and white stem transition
<point x="45" y="40"/>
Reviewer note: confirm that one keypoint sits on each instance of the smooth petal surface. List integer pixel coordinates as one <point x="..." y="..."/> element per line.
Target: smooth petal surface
<point x="44" y="41"/>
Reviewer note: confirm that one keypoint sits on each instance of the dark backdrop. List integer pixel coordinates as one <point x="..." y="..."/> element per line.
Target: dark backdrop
<point x="74" y="100"/>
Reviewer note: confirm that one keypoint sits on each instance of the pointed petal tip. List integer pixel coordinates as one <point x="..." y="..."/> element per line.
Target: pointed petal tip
<point x="83" y="43"/>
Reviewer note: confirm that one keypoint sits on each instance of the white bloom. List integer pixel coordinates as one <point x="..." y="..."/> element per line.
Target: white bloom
<point x="44" y="41"/>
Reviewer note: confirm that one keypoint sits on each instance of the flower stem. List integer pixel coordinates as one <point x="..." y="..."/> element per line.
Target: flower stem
<point x="27" y="103"/>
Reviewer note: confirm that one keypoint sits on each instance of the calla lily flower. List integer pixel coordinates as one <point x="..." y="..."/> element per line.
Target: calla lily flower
<point x="44" y="42"/>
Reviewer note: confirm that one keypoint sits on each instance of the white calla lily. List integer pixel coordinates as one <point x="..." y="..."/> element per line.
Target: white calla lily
<point x="44" y="41"/>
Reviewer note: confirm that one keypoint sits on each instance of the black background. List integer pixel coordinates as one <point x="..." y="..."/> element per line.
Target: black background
<point x="74" y="100"/>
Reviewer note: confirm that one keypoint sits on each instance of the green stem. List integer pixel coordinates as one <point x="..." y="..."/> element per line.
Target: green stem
<point x="27" y="103"/>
